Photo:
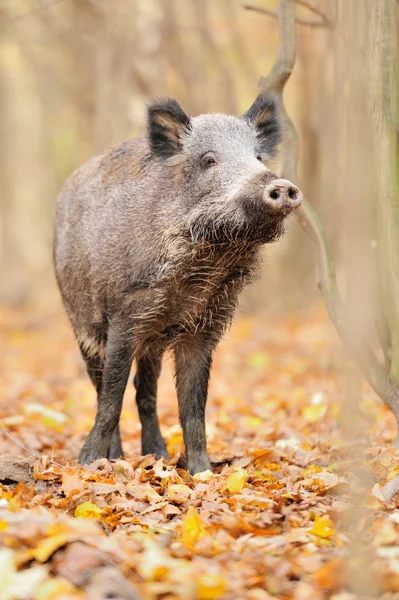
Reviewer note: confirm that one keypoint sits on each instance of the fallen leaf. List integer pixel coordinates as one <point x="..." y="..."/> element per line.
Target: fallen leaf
<point x="180" y="492"/>
<point x="88" y="510"/>
<point x="49" y="545"/>
<point x="312" y="414"/>
<point x="194" y="529"/>
<point x="71" y="481"/>
<point x="210" y="586"/>
<point x="49" y="417"/>
<point x="323" y="526"/>
<point x="56" y="588"/>
<point x="236" y="481"/>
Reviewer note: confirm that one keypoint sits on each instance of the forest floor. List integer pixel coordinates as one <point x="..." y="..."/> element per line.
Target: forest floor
<point x="293" y="510"/>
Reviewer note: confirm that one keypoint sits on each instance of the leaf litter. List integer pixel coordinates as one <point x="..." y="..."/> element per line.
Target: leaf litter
<point x="292" y="507"/>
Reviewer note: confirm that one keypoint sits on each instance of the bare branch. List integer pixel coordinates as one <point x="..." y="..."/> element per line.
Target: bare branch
<point x="298" y="20"/>
<point x="314" y="9"/>
<point x="382" y="383"/>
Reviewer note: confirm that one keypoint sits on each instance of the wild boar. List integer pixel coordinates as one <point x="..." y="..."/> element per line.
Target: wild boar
<point x="154" y="240"/>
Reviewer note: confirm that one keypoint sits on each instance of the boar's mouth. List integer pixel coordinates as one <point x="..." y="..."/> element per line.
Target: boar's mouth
<point x="250" y="224"/>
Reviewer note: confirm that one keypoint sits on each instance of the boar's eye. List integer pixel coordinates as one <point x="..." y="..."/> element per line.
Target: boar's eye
<point x="208" y="161"/>
<point x="258" y="157"/>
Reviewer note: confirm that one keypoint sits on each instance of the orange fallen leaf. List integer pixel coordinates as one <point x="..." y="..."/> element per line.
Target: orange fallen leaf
<point x="330" y="575"/>
<point x="71" y="482"/>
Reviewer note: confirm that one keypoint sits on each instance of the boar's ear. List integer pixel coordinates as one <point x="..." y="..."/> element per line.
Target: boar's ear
<point x="265" y="117"/>
<point x="167" y="123"/>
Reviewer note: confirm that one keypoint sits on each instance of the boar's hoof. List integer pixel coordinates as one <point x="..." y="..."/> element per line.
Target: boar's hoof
<point x="115" y="453"/>
<point x="198" y="465"/>
<point x="90" y="453"/>
<point x="115" y="447"/>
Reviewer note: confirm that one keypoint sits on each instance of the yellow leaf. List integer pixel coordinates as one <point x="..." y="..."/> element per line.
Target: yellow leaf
<point x="272" y="467"/>
<point x="312" y="414"/>
<point x="49" y="417"/>
<point x="254" y="422"/>
<point x="194" y="528"/>
<point x="49" y="545"/>
<point x="180" y="492"/>
<point x="52" y="589"/>
<point x="236" y="481"/>
<point x="175" y="443"/>
<point x="210" y="587"/>
<point x="88" y="510"/>
<point x="312" y="469"/>
<point x="3" y="525"/>
<point x="323" y="527"/>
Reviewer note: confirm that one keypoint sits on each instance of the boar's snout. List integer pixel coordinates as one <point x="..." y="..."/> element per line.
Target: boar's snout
<point x="282" y="195"/>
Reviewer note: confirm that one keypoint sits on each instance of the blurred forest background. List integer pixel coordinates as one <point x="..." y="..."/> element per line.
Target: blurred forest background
<point x="75" y="76"/>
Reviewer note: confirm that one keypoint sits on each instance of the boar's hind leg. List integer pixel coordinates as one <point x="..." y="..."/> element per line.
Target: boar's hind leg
<point x="145" y="381"/>
<point x="192" y="365"/>
<point x="104" y="439"/>
<point x="95" y="367"/>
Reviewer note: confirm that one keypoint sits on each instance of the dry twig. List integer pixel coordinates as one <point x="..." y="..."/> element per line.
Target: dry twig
<point x="31" y="452"/>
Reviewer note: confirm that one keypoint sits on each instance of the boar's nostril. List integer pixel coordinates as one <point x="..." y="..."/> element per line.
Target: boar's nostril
<point x="282" y="195"/>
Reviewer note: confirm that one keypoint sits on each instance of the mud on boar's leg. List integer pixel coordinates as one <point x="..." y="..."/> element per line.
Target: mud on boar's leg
<point x="192" y="367"/>
<point x="104" y="439"/>
<point x="145" y="381"/>
<point x="95" y="367"/>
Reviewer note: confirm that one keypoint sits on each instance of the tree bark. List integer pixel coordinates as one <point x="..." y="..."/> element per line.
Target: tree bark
<point x="382" y="48"/>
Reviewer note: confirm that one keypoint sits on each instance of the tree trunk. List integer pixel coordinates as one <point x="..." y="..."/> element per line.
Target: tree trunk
<point x="382" y="60"/>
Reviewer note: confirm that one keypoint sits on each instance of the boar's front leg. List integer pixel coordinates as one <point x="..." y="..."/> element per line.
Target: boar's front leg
<point x="192" y="368"/>
<point x="95" y="368"/>
<point x="118" y="361"/>
<point x="145" y="382"/>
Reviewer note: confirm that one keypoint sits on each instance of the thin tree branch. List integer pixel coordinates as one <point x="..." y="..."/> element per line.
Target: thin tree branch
<point x="274" y="83"/>
<point x="314" y="9"/>
<point x="298" y="20"/>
